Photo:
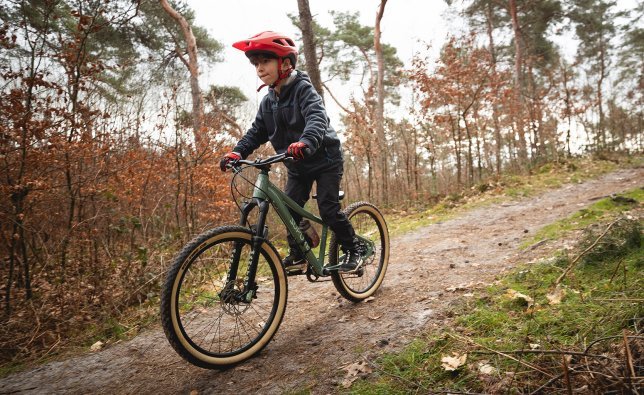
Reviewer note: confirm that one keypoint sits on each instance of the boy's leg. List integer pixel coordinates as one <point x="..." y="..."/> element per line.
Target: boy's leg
<point x="328" y="189"/>
<point x="299" y="190"/>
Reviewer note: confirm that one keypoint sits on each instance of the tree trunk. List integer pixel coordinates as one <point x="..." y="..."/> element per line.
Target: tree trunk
<point x="456" y="136"/>
<point x="470" y="156"/>
<point x="518" y="81"/>
<point x="308" y="38"/>
<point x="380" y="106"/>
<point x="192" y="64"/>
<point x="600" y="83"/>
<point x="495" y="110"/>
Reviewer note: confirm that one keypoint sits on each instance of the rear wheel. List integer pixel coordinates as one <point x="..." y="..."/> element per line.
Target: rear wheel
<point x="214" y="322"/>
<point x="370" y="225"/>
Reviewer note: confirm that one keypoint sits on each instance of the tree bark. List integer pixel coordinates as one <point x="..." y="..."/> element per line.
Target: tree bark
<point x="380" y="106"/>
<point x="193" y="67"/>
<point x="600" y="83"/>
<point x="495" y="110"/>
<point x="518" y="81"/>
<point x="308" y="38"/>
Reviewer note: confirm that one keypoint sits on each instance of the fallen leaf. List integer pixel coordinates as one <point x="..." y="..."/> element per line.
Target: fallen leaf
<point x="97" y="346"/>
<point x="515" y="295"/>
<point x="556" y="296"/>
<point x="344" y="318"/>
<point x="534" y="346"/>
<point x="369" y="299"/>
<point x="374" y="317"/>
<point x="488" y="369"/>
<point x="354" y="372"/>
<point x="454" y="362"/>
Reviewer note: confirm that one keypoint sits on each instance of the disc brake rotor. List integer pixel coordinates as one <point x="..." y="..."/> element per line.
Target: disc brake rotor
<point x="231" y="298"/>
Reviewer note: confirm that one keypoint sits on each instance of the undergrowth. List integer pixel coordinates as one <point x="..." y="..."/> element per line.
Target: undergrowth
<point x="26" y="344"/>
<point x="604" y="210"/>
<point x="536" y="330"/>
<point x="506" y="187"/>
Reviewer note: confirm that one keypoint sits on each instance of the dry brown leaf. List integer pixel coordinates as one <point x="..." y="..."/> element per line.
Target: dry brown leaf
<point x="486" y="368"/>
<point x="515" y="295"/>
<point x="354" y="372"/>
<point x="97" y="346"/>
<point x="556" y="296"/>
<point x="454" y="362"/>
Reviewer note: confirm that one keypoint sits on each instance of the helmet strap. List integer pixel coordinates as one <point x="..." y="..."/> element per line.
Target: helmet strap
<point x="280" y="77"/>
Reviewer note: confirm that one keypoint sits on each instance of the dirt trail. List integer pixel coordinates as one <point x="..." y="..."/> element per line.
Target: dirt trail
<point x="429" y="268"/>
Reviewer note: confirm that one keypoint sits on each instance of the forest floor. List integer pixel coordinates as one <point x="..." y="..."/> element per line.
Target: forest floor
<point x="322" y="334"/>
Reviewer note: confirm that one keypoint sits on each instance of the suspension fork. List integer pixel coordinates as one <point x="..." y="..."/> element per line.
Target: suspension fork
<point x="250" y="285"/>
<point x="236" y="255"/>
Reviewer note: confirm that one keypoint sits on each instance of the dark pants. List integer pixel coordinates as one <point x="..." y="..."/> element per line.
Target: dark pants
<point x="328" y="187"/>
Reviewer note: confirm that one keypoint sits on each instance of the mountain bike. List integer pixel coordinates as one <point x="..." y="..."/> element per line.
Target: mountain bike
<point x="225" y="294"/>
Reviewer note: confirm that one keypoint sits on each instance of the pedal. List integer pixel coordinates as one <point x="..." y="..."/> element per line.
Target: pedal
<point x="296" y="270"/>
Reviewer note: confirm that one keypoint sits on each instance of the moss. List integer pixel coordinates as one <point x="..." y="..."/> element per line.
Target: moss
<point x="605" y="209"/>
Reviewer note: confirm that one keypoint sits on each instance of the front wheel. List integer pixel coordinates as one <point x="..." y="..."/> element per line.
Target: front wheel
<point x="369" y="224"/>
<point x="211" y="318"/>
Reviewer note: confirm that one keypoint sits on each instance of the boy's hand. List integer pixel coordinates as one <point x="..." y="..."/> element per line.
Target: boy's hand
<point x="297" y="151"/>
<point x="229" y="157"/>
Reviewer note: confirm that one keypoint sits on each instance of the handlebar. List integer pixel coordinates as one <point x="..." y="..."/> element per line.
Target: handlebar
<point x="259" y="162"/>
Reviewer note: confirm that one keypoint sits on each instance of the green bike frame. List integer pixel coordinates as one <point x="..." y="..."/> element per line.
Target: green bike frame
<point x="267" y="191"/>
<point x="265" y="194"/>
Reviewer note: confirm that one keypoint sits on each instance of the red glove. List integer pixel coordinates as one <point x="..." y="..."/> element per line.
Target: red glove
<point x="297" y="150"/>
<point x="229" y="157"/>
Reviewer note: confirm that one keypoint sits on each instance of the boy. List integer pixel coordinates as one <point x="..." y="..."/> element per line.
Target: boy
<point x="292" y="117"/>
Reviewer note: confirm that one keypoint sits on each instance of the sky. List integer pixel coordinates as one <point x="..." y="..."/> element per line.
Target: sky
<point x="405" y="25"/>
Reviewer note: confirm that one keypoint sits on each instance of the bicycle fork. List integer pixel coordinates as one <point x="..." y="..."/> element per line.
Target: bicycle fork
<point x="260" y="233"/>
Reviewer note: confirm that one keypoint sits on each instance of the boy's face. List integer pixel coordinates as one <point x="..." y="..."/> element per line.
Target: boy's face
<point x="266" y="68"/>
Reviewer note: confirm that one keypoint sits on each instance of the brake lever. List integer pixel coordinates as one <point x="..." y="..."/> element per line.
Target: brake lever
<point x="233" y="165"/>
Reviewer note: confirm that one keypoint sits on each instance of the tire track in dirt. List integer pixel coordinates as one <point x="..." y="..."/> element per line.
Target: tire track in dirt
<point x="321" y="332"/>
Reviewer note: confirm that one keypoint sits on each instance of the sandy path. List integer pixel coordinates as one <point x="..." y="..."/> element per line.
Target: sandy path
<point x="319" y="336"/>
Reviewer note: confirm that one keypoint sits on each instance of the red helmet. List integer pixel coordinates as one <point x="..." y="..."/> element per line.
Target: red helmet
<point x="270" y="43"/>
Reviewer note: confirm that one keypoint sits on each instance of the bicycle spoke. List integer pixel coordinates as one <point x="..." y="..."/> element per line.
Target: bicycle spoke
<point x="213" y="313"/>
<point x="371" y="228"/>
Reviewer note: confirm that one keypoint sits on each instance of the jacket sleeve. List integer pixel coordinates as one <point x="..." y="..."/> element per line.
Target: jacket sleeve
<point x="254" y="137"/>
<point x="315" y="117"/>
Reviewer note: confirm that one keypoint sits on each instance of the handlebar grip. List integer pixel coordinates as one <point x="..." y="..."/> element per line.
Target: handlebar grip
<point x="307" y="153"/>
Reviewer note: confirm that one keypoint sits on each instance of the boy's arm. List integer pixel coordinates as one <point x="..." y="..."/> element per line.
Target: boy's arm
<point x="315" y="117"/>
<point x="254" y="137"/>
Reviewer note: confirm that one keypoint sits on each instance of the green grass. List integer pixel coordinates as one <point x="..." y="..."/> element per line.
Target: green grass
<point x="602" y="298"/>
<point x="12" y="367"/>
<point x="602" y="210"/>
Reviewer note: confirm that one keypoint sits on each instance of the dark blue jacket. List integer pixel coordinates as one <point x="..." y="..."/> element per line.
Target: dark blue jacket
<point x="297" y="114"/>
